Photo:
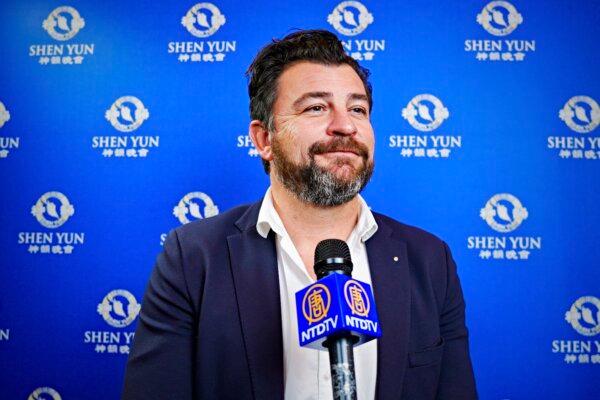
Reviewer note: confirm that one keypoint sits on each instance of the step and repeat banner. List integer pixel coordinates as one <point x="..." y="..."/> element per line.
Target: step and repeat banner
<point x="122" y="120"/>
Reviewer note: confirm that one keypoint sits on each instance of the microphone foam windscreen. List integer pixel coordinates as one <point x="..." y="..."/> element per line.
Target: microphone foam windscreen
<point x="331" y="248"/>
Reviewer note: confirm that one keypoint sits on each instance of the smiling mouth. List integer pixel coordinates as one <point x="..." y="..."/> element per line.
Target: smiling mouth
<point x="340" y="151"/>
<point x="342" y="147"/>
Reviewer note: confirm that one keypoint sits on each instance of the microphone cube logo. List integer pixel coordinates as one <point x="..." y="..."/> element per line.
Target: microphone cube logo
<point x="357" y="298"/>
<point x="336" y="304"/>
<point x="315" y="303"/>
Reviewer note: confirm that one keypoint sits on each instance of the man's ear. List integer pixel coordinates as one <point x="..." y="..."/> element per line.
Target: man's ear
<point x="260" y="137"/>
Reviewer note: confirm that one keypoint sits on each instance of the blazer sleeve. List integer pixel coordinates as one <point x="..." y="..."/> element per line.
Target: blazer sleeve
<point x="457" y="381"/>
<point x="160" y="362"/>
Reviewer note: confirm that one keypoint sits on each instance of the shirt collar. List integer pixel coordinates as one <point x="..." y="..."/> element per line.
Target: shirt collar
<point x="268" y="219"/>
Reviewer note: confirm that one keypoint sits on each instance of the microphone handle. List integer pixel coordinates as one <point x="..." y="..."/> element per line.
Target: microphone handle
<point x="341" y="362"/>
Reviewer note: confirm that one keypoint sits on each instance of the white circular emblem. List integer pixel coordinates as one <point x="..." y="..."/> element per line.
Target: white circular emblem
<point x="4" y="115"/>
<point x="580" y="113"/>
<point x="203" y="20"/>
<point x="350" y="18"/>
<point x="119" y="308"/>
<point x="63" y="23"/>
<point x="187" y="205"/>
<point x="127" y="114"/>
<point x="499" y="18"/>
<point x="503" y="212"/>
<point x="40" y="394"/>
<point x="425" y="112"/>
<point x="584" y="315"/>
<point x="52" y="209"/>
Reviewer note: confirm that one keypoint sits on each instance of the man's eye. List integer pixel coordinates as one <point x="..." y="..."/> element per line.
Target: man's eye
<point x="360" y="110"/>
<point x="316" y="108"/>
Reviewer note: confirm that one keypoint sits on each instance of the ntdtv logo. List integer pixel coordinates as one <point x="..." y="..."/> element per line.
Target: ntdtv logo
<point x="336" y="304"/>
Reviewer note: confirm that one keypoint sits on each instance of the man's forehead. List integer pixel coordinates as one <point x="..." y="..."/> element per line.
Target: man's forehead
<point x="304" y="77"/>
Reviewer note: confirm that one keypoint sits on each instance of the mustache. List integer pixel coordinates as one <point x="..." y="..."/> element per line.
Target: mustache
<point x="346" y="143"/>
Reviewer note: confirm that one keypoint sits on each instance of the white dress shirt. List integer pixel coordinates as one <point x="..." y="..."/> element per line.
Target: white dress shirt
<point x="306" y="371"/>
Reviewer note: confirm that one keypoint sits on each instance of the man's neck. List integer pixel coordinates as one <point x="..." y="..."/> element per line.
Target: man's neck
<point x="309" y="223"/>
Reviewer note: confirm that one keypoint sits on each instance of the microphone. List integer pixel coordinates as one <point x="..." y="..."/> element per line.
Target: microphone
<point x="337" y="313"/>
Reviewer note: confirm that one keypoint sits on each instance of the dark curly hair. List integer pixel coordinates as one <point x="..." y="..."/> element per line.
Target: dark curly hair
<point x="318" y="46"/>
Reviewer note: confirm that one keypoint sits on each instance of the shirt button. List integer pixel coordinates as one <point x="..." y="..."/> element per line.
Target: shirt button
<point x="326" y="377"/>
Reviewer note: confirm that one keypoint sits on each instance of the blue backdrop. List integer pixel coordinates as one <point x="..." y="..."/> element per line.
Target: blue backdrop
<point x="120" y="120"/>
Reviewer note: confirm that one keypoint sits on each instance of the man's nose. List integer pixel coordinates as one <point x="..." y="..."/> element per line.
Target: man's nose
<point x="341" y="124"/>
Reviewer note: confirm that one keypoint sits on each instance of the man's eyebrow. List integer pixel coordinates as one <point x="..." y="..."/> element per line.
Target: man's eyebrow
<point x="358" y="96"/>
<point x="311" y="95"/>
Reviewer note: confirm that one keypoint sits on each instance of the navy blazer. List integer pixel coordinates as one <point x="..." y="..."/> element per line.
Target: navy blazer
<point x="210" y="324"/>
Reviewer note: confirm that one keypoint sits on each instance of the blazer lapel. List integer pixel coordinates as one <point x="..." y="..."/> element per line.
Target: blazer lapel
<point x="256" y="281"/>
<point x="390" y="274"/>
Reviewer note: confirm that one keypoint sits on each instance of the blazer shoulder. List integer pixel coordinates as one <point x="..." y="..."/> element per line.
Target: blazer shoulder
<point x="210" y="229"/>
<point x="412" y="235"/>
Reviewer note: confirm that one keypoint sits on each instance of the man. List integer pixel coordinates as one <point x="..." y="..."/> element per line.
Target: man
<point x="218" y="318"/>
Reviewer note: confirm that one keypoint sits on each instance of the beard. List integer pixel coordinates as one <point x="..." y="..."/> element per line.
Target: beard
<point x="316" y="185"/>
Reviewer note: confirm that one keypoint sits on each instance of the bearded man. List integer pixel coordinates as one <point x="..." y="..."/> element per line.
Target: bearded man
<point x="218" y="318"/>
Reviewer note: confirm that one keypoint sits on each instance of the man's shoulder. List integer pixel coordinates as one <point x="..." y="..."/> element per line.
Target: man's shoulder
<point x="411" y="235"/>
<point x="218" y="226"/>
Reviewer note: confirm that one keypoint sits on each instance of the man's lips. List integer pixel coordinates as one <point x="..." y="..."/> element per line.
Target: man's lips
<point x="341" y="151"/>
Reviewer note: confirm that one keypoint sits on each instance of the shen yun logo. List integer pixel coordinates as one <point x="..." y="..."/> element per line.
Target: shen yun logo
<point x="582" y="115"/>
<point x="189" y="206"/>
<point x="119" y="309"/>
<point x="499" y="18"/>
<point x="126" y="115"/>
<point x="52" y="210"/>
<point x="193" y="206"/>
<point x="4" y="115"/>
<point x="44" y="393"/>
<point x="504" y="213"/>
<point x="351" y="18"/>
<point x="6" y="143"/>
<point x="202" y="21"/>
<point x="62" y="24"/>
<point x="425" y="113"/>
<point x="584" y="318"/>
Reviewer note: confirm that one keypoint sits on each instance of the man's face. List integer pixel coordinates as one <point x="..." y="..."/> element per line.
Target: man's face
<point x="323" y="141"/>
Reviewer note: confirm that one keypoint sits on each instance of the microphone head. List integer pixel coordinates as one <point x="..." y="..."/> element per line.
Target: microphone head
<point x="332" y="256"/>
